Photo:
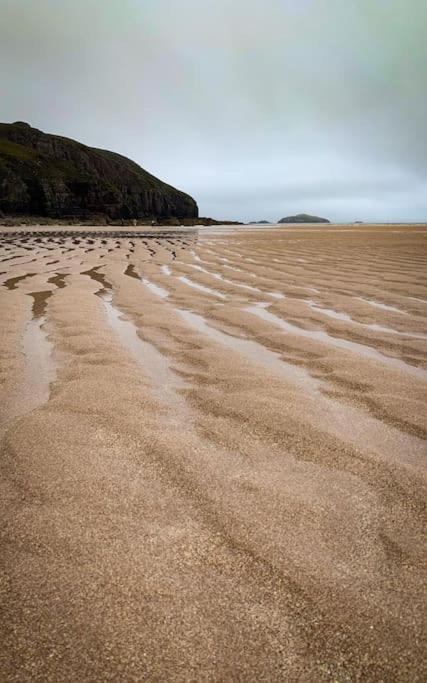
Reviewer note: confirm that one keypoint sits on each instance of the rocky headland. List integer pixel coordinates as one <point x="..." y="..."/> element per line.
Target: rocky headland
<point x="54" y="177"/>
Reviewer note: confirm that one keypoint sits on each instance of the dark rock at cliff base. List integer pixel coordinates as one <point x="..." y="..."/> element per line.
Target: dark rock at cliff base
<point x="48" y="175"/>
<point x="303" y="218"/>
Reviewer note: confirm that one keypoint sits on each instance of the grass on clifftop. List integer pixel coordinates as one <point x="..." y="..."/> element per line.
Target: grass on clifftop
<point x="17" y="151"/>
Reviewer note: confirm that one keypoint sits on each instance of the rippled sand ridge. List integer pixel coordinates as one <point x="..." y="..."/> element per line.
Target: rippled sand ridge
<point x="213" y="454"/>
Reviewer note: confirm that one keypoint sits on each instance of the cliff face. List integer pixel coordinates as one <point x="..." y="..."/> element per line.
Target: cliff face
<point x="48" y="175"/>
<point x="303" y="218"/>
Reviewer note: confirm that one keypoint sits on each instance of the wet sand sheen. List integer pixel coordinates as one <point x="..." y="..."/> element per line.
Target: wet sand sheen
<point x="227" y="481"/>
<point x="39" y="371"/>
<point x="40" y="367"/>
<point x="322" y="336"/>
<point x="165" y="382"/>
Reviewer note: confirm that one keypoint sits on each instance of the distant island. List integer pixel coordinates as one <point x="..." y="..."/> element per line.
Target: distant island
<point x="259" y="223"/>
<point x="303" y="218"/>
<point x="52" y="176"/>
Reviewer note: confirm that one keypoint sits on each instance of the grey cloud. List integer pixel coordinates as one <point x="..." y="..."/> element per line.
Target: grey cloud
<point x="242" y="103"/>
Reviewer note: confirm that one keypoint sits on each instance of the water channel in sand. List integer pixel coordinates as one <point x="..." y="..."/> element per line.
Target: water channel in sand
<point x="218" y="276"/>
<point x="341" y="419"/>
<point x="39" y="371"/>
<point x="12" y="282"/>
<point x="346" y="344"/>
<point x="252" y="350"/>
<point x="202" y="288"/>
<point x="385" y="307"/>
<point x="166" y="383"/>
<point x="156" y="289"/>
<point x="338" y="315"/>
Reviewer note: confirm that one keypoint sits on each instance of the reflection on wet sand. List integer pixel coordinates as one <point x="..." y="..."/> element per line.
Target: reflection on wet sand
<point x="252" y="350"/>
<point x="31" y="388"/>
<point x="346" y="344"/>
<point x="40" y="368"/>
<point x="202" y="288"/>
<point x="166" y="383"/>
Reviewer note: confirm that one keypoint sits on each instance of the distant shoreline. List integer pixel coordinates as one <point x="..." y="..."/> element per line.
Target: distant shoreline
<point x="96" y="222"/>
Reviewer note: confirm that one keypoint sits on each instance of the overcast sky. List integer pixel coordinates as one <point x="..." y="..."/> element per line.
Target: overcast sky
<point x="257" y="108"/>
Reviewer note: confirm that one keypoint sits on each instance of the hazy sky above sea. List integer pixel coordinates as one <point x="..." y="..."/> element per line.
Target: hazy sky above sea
<point x="257" y="108"/>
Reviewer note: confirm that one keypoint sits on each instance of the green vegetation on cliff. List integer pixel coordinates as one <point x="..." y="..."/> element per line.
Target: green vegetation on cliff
<point x="48" y="175"/>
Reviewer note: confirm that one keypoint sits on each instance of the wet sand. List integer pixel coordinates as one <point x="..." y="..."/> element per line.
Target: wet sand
<point x="213" y="454"/>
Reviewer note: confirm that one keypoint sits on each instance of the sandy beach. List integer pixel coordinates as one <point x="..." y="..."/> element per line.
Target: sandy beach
<point x="213" y="450"/>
